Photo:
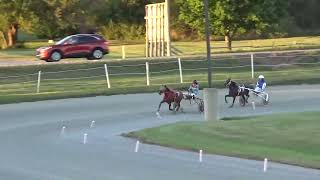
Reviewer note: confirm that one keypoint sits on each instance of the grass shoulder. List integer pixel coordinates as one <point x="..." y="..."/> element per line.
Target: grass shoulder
<point x="286" y="138"/>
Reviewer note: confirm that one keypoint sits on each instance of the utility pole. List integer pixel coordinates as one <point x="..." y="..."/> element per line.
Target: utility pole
<point x="207" y="28"/>
<point x="211" y="107"/>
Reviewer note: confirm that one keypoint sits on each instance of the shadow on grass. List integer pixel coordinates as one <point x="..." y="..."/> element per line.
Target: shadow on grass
<point x="238" y="118"/>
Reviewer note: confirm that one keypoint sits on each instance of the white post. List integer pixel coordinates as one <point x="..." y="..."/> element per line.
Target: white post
<point x="85" y="138"/>
<point x="63" y="130"/>
<point x="147" y="73"/>
<point x="107" y="75"/>
<point x="39" y="79"/>
<point x="253" y="105"/>
<point x="92" y="124"/>
<point x="265" y="165"/>
<point x="180" y="70"/>
<point x="200" y="156"/>
<point x="137" y="147"/>
<point x="123" y="52"/>
<point x="252" y="67"/>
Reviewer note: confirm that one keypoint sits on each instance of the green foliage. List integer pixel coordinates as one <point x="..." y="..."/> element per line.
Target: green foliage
<point x="122" y="31"/>
<point x="124" y="19"/>
<point x="231" y="17"/>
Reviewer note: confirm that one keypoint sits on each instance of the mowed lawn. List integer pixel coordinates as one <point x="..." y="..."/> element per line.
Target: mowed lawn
<point x="287" y="138"/>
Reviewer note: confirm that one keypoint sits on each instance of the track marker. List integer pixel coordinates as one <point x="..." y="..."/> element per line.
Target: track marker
<point x="92" y="124"/>
<point x="200" y="156"/>
<point x="85" y="138"/>
<point x="265" y="165"/>
<point x="253" y="105"/>
<point x="137" y="146"/>
<point x="63" y="129"/>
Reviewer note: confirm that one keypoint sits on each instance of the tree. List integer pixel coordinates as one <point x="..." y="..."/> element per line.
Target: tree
<point x="13" y="13"/>
<point x="231" y="17"/>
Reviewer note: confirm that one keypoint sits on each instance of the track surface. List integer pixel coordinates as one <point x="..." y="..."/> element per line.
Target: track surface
<point x="32" y="147"/>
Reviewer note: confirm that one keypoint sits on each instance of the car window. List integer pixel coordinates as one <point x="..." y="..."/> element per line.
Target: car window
<point x="87" y="39"/>
<point x="64" y="40"/>
<point x="73" y="40"/>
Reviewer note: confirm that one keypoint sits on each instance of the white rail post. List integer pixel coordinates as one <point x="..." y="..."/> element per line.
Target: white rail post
<point x="252" y="67"/>
<point x="137" y="146"/>
<point x="85" y="138"/>
<point x="39" y="79"/>
<point x="265" y="165"/>
<point x="200" y="156"/>
<point x="180" y="70"/>
<point x="107" y="75"/>
<point x="147" y="73"/>
<point x="123" y="52"/>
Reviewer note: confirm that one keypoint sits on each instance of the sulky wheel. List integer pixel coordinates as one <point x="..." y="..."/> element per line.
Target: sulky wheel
<point x="201" y="106"/>
<point x="265" y="99"/>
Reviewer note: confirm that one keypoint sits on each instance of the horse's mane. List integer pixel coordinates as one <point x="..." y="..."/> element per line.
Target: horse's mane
<point x="233" y="83"/>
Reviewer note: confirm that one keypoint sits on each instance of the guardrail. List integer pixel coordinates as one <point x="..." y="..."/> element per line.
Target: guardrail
<point x="172" y="72"/>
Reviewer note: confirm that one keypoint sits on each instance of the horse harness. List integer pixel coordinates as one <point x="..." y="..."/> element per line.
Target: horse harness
<point x="241" y="89"/>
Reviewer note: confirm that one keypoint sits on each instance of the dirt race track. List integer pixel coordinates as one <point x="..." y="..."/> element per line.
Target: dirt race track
<point x="32" y="147"/>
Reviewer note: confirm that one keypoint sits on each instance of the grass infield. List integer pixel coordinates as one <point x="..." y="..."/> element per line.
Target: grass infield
<point x="286" y="138"/>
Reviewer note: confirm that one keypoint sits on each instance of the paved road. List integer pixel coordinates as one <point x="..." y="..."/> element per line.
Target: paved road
<point x="31" y="147"/>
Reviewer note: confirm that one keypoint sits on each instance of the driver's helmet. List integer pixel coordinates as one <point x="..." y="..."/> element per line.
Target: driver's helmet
<point x="261" y="77"/>
<point x="195" y="81"/>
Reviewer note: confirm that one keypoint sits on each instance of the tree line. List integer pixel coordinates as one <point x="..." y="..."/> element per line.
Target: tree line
<point x="124" y="19"/>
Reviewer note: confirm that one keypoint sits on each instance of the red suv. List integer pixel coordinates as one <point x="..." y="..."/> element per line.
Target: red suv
<point x="91" y="46"/>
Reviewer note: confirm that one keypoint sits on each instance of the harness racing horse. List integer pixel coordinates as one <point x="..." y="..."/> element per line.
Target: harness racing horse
<point x="170" y="96"/>
<point x="235" y="90"/>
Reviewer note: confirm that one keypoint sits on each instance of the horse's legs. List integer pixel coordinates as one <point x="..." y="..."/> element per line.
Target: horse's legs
<point x="170" y="107"/>
<point x="234" y="98"/>
<point x="247" y="98"/>
<point x="225" y="98"/>
<point x="160" y="105"/>
<point x="178" y="107"/>
<point x="244" y="98"/>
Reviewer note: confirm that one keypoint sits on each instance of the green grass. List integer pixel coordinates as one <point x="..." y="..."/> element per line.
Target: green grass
<point x="287" y="138"/>
<point x="136" y="49"/>
<point x="88" y="78"/>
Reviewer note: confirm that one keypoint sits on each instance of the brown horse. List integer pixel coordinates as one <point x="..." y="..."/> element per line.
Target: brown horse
<point x="170" y="96"/>
<point x="235" y="90"/>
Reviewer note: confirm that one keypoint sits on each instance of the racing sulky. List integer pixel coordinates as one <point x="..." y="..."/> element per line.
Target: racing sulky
<point x="171" y="97"/>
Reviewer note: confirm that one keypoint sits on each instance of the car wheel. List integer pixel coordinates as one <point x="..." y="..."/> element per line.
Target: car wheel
<point x="97" y="54"/>
<point x="55" y="56"/>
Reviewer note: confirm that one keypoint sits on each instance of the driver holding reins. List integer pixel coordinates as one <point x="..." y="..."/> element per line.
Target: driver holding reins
<point x="194" y="89"/>
<point x="261" y="85"/>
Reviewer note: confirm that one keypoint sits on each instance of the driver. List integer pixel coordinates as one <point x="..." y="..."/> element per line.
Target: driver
<point x="194" y="89"/>
<point x="261" y="85"/>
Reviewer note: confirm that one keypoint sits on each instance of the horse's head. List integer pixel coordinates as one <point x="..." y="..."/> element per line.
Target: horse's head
<point x="162" y="89"/>
<point x="228" y="82"/>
